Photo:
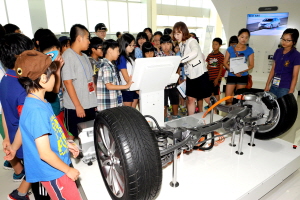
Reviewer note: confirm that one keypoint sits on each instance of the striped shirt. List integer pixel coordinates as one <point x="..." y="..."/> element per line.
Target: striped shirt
<point x="215" y="62"/>
<point x="107" y="74"/>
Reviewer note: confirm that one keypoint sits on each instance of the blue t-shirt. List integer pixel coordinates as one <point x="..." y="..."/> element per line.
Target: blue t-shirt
<point x="246" y="53"/>
<point x="121" y="63"/>
<point x="38" y="119"/>
<point x="138" y="52"/>
<point x="12" y="96"/>
<point x="284" y="66"/>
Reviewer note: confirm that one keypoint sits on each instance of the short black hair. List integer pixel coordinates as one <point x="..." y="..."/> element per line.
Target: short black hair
<point x="141" y="35"/>
<point x="167" y="31"/>
<point x="158" y="33"/>
<point x="64" y="42"/>
<point x="34" y="85"/>
<point x="46" y="43"/>
<point x="233" y="39"/>
<point x="118" y="33"/>
<point x="2" y="31"/>
<point x="147" y="47"/>
<point x="76" y="30"/>
<point x="11" y="28"/>
<point x="95" y="42"/>
<point x="12" y="45"/>
<point x="147" y="29"/>
<point x="166" y="39"/>
<point x="110" y="43"/>
<point x="294" y="34"/>
<point x="243" y="30"/>
<point x="195" y="36"/>
<point x="219" y="40"/>
<point x="41" y="32"/>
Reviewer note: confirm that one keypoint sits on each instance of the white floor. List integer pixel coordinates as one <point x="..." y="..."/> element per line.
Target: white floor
<point x="289" y="189"/>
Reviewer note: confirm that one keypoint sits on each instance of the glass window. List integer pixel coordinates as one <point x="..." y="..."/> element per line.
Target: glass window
<point x="3" y="18"/>
<point x="196" y="3"/>
<point x="183" y="2"/>
<point x="162" y="20"/>
<point x="54" y="16"/>
<point x="137" y="17"/>
<point x="174" y="19"/>
<point x="97" y="13"/>
<point x="168" y="2"/>
<point x="118" y="17"/>
<point x="191" y="21"/>
<point x="158" y="1"/>
<point x="18" y="14"/>
<point x="74" y="13"/>
<point x="202" y="22"/>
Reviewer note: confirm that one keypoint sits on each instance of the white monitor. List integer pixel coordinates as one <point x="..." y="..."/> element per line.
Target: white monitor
<point x="152" y="74"/>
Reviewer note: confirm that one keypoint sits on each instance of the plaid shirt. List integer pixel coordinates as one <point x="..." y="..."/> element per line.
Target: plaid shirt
<point x="162" y="54"/>
<point x="107" y="74"/>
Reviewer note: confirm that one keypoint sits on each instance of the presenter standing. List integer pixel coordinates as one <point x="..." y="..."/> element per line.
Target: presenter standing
<point x="238" y="80"/>
<point x="197" y="82"/>
<point x="285" y="69"/>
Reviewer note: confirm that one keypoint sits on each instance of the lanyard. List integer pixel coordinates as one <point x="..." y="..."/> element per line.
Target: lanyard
<point x="51" y="110"/>
<point x="11" y="75"/>
<point x="83" y="65"/>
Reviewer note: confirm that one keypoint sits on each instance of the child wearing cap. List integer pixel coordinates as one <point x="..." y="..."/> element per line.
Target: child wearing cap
<point x="79" y="97"/>
<point x="100" y="31"/>
<point x="46" y="151"/>
<point x="171" y="92"/>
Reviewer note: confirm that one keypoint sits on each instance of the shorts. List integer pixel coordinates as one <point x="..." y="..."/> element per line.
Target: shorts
<point x="234" y="80"/>
<point x="71" y="119"/>
<point x="62" y="188"/>
<point x="129" y="96"/>
<point x="173" y="95"/>
<point x="198" y="88"/>
<point x="215" y="89"/>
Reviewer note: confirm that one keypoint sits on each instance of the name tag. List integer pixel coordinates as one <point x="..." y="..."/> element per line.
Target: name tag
<point x="120" y="100"/>
<point x="276" y="81"/>
<point x="91" y="87"/>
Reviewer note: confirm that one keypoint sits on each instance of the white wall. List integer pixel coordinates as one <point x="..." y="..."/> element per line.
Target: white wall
<point x="233" y="14"/>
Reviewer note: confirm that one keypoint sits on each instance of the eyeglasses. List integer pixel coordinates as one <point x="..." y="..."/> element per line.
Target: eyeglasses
<point x="133" y="45"/>
<point x="284" y="40"/>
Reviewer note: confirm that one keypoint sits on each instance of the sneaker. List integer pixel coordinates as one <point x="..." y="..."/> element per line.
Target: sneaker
<point x="7" y="165"/>
<point x="14" y="196"/>
<point x="206" y="107"/>
<point x="166" y="119"/>
<point x="176" y="116"/>
<point x="19" y="177"/>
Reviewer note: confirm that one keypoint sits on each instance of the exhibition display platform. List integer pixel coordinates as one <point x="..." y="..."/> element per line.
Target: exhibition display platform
<point x="216" y="174"/>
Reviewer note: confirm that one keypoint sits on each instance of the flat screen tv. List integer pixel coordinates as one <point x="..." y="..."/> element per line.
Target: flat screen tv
<point x="267" y="23"/>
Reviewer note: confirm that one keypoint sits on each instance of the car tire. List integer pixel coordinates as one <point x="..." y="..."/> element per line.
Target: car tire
<point x="288" y="115"/>
<point x="271" y="26"/>
<point x="127" y="154"/>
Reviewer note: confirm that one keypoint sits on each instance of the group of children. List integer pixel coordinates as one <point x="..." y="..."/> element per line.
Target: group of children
<point x="93" y="75"/>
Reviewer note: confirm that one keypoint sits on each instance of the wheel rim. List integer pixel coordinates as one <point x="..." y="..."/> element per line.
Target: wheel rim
<point x="109" y="158"/>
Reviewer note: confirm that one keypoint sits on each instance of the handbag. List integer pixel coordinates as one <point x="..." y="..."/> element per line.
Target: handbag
<point x="250" y="82"/>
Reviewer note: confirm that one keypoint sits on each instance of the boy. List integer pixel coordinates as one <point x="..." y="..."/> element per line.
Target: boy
<point x="108" y="84"/>
<point x="96" y="54"/>
<point x="79" y="98"/>
<point x="100" y="31"/>
<point x="46" y="154"/>
<point x="12" y="99"/>
<point x="64" y="44"/>
<point x="166" y="45"/>
<point x="214" y="66"/>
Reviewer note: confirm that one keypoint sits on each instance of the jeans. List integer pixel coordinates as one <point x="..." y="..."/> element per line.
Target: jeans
<point x="279" y="92"/>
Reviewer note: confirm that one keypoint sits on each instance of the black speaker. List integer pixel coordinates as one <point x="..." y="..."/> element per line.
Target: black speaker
<point x="270" y="8"/>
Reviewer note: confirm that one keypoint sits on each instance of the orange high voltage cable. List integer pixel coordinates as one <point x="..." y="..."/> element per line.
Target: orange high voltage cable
<point x="217" y="103"/>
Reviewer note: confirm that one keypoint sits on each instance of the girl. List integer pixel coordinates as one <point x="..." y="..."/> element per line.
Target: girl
<point x="238" y="80"/>
<point x="125" y="65"/>
<point x="197" y="81"/>
<point x="141" y="38"/>
<point x="148" y="31"/>
<point x="148" y="50"/>
<point x="285" y="69"/>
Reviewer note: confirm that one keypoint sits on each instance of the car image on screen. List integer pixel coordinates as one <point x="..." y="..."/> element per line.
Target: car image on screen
<point x="269" y="23"/>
